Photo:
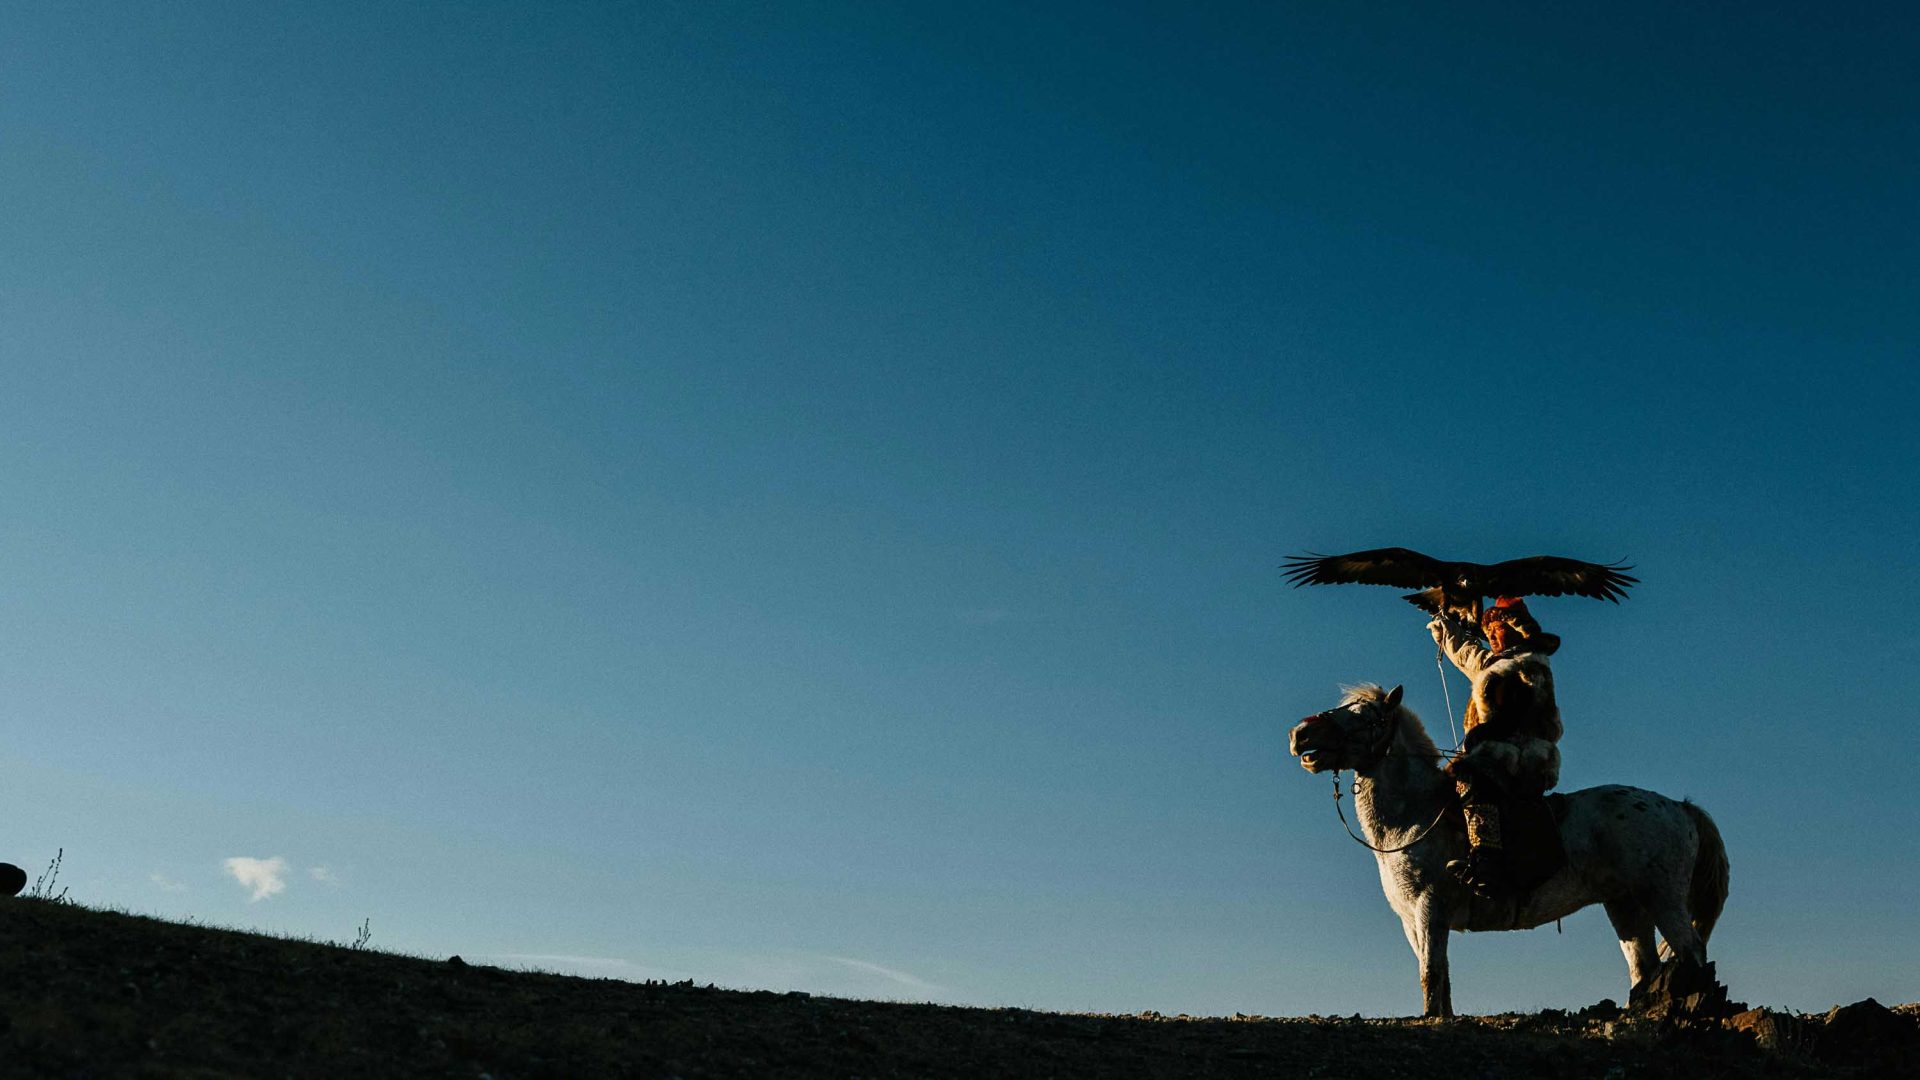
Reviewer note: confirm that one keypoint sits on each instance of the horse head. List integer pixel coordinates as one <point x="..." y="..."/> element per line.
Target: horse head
<point x="1354" y="734"/>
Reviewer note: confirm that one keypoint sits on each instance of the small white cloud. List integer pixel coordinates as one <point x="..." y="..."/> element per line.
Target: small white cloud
<point x="263" y="876"/>
<point x="892" y="975"/>
<point x="166" y="883"/>
<point x="823" y="973"/>
<point x="322" y="874"/>
<point x="594" y="967"/>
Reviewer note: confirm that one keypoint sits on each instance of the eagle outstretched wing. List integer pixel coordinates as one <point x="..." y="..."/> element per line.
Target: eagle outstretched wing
<point x="1551" y="575"/>
<point x="1537" y="575"/>
<point x="1394" y="566"/>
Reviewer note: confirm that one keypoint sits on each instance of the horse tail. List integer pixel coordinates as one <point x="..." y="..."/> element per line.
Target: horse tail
<point x="1707" y="894"/>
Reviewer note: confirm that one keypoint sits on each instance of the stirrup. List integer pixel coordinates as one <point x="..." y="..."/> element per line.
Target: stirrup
<point x="1483" y="871"/>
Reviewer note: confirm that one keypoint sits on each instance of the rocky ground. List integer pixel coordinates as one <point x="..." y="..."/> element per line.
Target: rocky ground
<point x="93" y="993"/>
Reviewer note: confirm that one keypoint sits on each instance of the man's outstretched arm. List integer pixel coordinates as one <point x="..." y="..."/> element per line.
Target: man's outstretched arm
<point x="1460" y="640"/>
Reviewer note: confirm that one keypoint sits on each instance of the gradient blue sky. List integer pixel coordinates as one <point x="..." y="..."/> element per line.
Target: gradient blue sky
<point x="791" y="495"/>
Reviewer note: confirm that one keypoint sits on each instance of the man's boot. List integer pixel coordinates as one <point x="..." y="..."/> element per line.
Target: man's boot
<point x="1484" y="870"/>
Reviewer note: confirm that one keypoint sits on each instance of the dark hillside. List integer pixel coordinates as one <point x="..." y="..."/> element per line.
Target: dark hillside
<point x="91" y="993"/>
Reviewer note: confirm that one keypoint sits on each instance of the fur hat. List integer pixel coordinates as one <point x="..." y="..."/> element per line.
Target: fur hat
<point x="1512" y="611"/>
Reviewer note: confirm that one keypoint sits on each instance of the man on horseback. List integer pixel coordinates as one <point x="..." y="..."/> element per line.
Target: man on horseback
<point x="1512" y="726"/>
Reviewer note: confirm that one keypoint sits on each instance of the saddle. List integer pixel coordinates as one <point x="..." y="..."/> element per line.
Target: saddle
<point x="1534" y="850"/>
<point x="1534" y="853"/>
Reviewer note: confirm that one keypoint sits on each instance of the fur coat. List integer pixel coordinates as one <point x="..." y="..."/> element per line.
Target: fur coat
<point x="1512" y="722"/>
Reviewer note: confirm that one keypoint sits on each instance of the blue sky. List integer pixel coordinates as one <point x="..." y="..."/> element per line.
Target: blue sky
<point x="792" y="495"/>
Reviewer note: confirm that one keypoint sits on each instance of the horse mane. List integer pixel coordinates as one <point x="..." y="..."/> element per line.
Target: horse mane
<point x="1412" y="732"/>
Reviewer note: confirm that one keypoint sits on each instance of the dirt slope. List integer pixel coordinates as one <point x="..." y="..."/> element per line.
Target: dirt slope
<point x="91" y="993"/>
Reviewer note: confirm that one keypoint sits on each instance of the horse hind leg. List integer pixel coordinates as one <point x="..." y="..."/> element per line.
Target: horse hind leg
<point x="1679" y="938"/>
<point x="1633" y="924"/>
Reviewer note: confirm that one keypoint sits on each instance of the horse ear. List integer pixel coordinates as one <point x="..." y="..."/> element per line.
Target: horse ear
<point x="1393" y="697"/>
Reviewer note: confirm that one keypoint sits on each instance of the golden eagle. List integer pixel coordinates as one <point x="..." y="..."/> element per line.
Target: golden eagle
<point x="1459" y="586"/>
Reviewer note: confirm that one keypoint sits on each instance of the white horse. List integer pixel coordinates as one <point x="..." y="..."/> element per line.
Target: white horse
<point x="1651" y="861"/>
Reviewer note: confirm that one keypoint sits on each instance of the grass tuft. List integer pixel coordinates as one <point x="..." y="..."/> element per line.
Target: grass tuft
<point x="44" y="885"/>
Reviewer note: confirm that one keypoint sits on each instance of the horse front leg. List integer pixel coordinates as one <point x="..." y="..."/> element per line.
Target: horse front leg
<point x="1436" y="985"/>
<point x="1426" y="927"/>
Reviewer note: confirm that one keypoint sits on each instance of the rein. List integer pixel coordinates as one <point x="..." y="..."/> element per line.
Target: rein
<point x="1434" y="824"/>
<point x="1438" y="654"/>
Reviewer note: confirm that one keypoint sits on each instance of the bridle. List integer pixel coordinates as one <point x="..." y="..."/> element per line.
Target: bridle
<point x="1382" y="724"/>
<point x="1382" y="746"/>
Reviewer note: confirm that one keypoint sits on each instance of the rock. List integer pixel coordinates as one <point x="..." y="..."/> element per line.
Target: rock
<point x="1604" y="1009"/>
<point x="1866" y="1031"/>
<point x="1773" y="1031"/>
<point x="1682" y="992"/>
<point x="12" y="879"/>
